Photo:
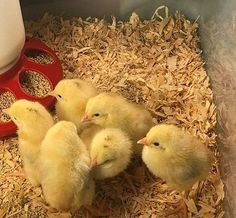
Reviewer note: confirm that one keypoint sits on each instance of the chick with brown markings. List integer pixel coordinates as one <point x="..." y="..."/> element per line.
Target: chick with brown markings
<point x="64" y="168"/>
<point x="113" y="110"/>
<point x="33" y="122"/>
<point x="72" y="96"/>
<point x="111" y="151"/>
<point x="176" y="156"/>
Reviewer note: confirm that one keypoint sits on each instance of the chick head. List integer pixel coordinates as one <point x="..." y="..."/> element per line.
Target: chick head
<point x="110" y="152"/>
<point x="100" y="108"/>
<point x="28" y="114"/>
<point x="160" y="138"/>
<point x="65" y="90"/>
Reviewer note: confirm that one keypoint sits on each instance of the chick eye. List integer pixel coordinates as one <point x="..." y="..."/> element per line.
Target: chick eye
<point x="59" y="96"/>
<point x="156" y="143"/>
<point x="96" y="115"/>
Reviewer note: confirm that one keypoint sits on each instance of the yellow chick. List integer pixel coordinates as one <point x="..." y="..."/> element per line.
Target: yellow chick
<point x="33" y="121"/>
<point x="175" y="156"/>
<point x="72" y="96"/>
<point x="64" y="168"/>
<point x="112" y="110"/>
<point x="110" y="153"/>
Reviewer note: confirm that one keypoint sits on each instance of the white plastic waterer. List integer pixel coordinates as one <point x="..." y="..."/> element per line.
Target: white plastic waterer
<point x="12" y="33"/>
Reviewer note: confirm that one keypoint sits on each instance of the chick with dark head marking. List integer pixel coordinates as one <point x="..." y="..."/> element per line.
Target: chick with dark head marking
<point x="110" y="153"/>
<point x="33" y="121"/>
<point x="72" y="96"/>
<point x="110" y="110"/>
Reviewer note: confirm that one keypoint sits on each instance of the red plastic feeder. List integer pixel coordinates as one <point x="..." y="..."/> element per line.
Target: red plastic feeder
<point x="10" y="80"/>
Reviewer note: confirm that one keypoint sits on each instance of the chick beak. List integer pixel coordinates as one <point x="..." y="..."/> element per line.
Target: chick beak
<point x="6" y="110"/>
<point x="52" y="93"/>
<point x="93" y="163"/>
<point x="85" y="118"/>
<point x="143" y="141"/>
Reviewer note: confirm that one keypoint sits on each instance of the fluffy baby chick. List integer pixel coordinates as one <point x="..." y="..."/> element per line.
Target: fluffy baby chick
<point x="64" y="168"/>
<point x="175" y="156"/>
<point x="72" y="96"/>
<point x="33" y="121"/>
<point x="110" y="153"/>
<point x="112" y="110"/>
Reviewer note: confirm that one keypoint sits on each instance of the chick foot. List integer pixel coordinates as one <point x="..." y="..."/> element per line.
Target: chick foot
<point x="129" y="179"/>
<point x="19" y="173"/>
<point x="195" y="194"/>
<point x="95" y="211"/>
<point x="43" y="204"/>
<point x="180" y="208"/>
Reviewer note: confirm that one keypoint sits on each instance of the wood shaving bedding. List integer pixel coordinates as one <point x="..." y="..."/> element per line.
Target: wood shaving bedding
<point x="155" y="63"/>
<point x="6" y="99"/>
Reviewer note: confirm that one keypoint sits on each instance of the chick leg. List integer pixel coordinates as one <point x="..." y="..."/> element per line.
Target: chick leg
<point x="149" y="175"/>
<point x="129" y="181"/>
<point x="43" y="204"/>
<point x="95" y="211"/>
<point x="186" y="194"/>
<point x="180" y="207"/>
<point x="198" y="190"/>
<point x="19" y="173"/>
